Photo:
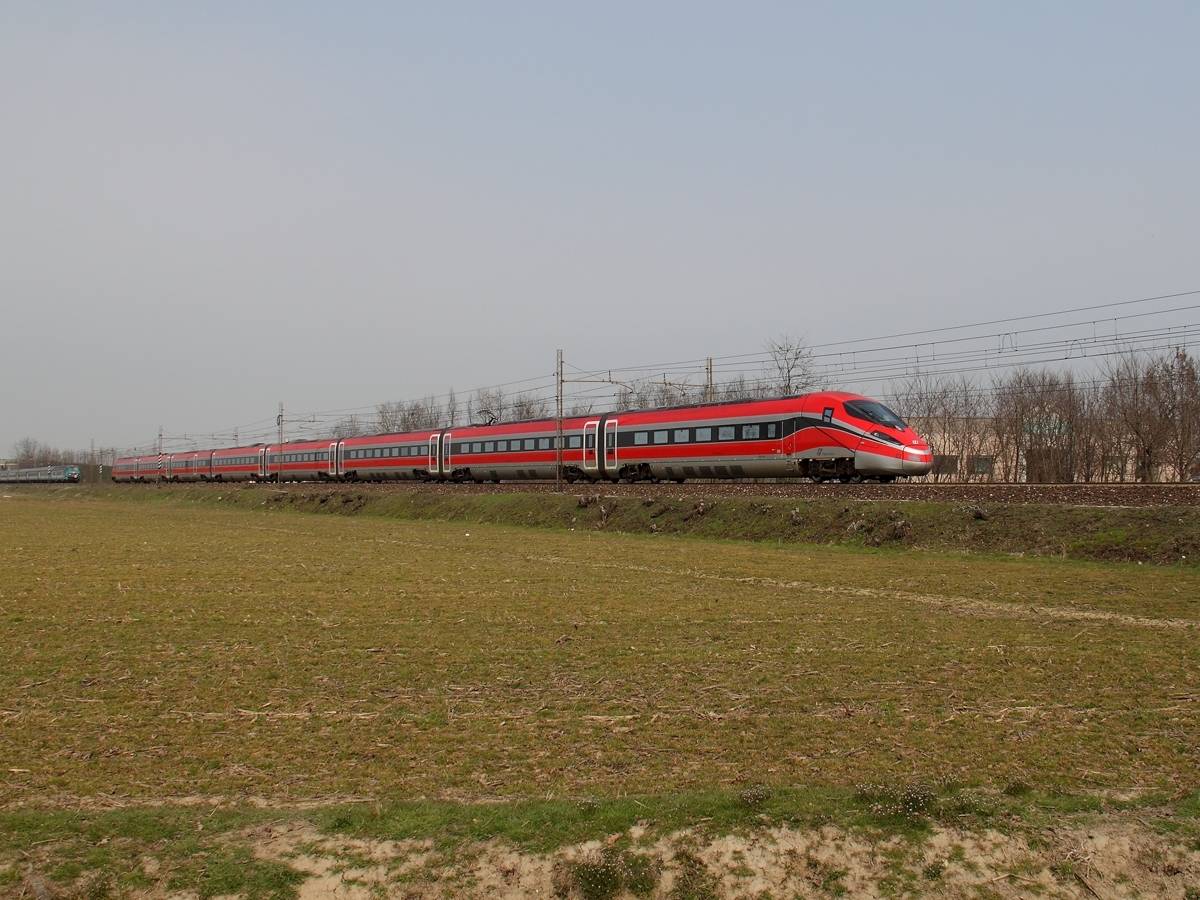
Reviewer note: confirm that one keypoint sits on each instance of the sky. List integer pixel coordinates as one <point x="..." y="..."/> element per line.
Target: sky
<point x="208" y="209"/>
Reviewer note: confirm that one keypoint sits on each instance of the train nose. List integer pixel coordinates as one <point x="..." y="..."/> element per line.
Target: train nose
<point x="917" y="461"/>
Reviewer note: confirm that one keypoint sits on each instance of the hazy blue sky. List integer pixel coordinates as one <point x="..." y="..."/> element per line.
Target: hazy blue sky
<point x="207" y="208"/>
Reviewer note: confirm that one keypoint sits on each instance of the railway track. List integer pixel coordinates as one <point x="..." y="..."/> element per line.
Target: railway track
<point x="1105" y="495"/>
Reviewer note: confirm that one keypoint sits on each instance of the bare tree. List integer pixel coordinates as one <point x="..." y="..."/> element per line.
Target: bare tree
<point x="390" y="416"/>
<point x="26" y="451"/>
<point x="1136" y="402"/>
<point x="451" y="418"/>
<point x="349" y="426"/>
<point x="29" y="452"/>
<point x="421" y="414"/>
<point x="1178" y="399"/>
<point x="488" y="406"/>
<point x="527" y="406"/>
<point x="741" y="388"/>
<point x="790" y="369"/>
<point x="637" y="394"/>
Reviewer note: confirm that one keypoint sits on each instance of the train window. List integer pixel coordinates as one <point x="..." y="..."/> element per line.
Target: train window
<point x="528" y="443"/>
<point x="827" y="414"/>
<point x="641" y="437"/>
<point x="543" y="443"/>
<point x="703" y="434"/>
<point x="489" y="446"/>
<point x="874" y="412"/>
<point x="725" y="433"/>
<point x="477" y="447"/>
<point x="750" y="432"/>
<point x="464" y="448"/>
<point x="575" y="441"/>
<point x="660" y="437"/>
<point x="589" y="440"/>
<point x="771" y="429"/>
<point x="610" y="439"/>
<point x="502" y="446"/>
<point x="681" y="435"/>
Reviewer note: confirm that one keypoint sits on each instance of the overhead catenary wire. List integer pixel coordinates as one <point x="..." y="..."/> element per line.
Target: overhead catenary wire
<point x="864" y="364"/>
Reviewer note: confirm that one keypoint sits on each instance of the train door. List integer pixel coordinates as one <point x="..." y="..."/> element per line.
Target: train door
<point x="262" y="463"/>
<point x="610" y="448"/>
<point x="333" y="455"/>
<point x="446" y="467"/>
<point x="590" y="462"/>
<point x="433" y="455"/>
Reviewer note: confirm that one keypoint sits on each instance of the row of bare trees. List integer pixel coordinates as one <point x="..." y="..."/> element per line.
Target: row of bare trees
<point x="1138" y="419"/>
<point x="29" y="453"/>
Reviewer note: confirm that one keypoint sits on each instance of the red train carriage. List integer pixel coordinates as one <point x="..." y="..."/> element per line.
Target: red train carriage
<point x="192" y="466"/>
<point x="827" y="435"/>
<point x="302" y="461"/>
<point x="139" y="468"/>
<point x="390" y="457"/>
<point x="511" y="451"/>
<point x="124" y="470"/>
<point x="240" y="464"/>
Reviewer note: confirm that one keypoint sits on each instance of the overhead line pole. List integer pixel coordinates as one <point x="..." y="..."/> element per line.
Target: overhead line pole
<point x="558" y="442"/>
<point x="279" y="475"/>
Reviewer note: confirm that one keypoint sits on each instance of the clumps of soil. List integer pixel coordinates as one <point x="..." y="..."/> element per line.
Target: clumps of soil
<point x="1112" y="857"/>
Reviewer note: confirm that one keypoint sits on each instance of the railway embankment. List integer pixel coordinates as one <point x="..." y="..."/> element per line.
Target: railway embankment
<point x="989" y="520"/>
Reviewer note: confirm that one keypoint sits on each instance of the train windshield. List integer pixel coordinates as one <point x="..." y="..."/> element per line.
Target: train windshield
<point x="875" y="412"/>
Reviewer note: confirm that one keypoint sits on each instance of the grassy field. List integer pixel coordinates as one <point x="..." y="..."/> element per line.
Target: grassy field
<point x="185" y="653"/>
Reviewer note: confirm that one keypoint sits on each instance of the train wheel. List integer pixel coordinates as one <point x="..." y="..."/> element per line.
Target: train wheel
<point x="817" y="479"/>
<point x="856" y="479"/>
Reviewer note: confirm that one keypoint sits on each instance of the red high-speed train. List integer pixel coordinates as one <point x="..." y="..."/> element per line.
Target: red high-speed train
<point x="822" y="436"/>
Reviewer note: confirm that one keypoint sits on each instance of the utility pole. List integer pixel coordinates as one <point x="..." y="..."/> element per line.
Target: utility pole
<point x="279" y="476"/>
<point x="160" y="459"/>
<point x="558" y="377"/>
<point x="235" y="440"/>
<point x="708" y="385"/>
